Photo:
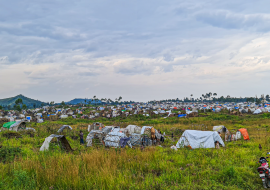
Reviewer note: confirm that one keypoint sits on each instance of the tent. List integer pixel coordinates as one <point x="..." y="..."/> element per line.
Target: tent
<point x="243" y="132"/>
<point x="60" y="138"/>
<point x="95" y="134"/>
<point x="14" y="125"/>
<point x="113" y="139"/>
<point x="257" y="111"/>
<point x="199" y="139"/>
<point x="63" y="127"/>
<point x="7" y="125"/>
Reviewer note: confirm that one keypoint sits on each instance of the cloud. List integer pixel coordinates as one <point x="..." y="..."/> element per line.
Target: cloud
<point x="143" y="50"/>
<point x="229" y="20"/>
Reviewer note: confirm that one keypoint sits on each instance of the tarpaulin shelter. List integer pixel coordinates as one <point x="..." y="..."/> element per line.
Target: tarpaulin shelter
<point x="7" y="125"/>
<point x="199" y="139"/>
<point x="244" y="133"/>
<point x="63" y="127"/>
<point x="61" y="139"/>
<point x="113" y="139"/>
<point x="14" y="125"/>
<point x="95" y="135"/>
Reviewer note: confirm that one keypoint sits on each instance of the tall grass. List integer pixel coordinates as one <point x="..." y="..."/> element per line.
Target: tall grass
<point x="231" y="167"/>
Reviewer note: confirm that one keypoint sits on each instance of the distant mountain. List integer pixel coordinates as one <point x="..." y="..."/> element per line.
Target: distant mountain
<point x="30" y="103"/>
<point x="82" y="101"/>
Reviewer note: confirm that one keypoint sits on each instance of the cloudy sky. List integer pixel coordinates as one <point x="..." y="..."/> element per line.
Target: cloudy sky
<point x="55" y="50"/>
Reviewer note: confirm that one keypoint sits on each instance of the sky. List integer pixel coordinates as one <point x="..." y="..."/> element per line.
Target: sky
<point x="58" y="50"/>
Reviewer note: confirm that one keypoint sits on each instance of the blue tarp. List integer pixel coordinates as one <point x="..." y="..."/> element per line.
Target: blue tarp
<point x="182" y="115"/>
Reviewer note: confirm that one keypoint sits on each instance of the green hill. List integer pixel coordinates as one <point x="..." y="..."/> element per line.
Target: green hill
<point x="8" y="103"/>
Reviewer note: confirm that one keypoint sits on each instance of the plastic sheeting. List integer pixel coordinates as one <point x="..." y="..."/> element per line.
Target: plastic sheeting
<point x="257" y="111"/>
<point x="133" y="129"/>
<point x="113" y="139"/>
<point x="63" y="127"/>
<point x="244" y="133"/>
<point x="99" y="134"/>
<point x="199" y="139"/>
<point x="46" y="143"/>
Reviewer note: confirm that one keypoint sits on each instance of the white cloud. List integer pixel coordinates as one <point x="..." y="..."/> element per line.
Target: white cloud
<point x="143" y="50"/>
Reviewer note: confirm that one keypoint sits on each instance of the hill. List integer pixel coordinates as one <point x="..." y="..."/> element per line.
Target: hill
<point x="8" y="103"/>
<point x="81" y="100"/>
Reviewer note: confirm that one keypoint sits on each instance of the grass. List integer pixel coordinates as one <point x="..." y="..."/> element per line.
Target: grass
<point x="232" y="167"/>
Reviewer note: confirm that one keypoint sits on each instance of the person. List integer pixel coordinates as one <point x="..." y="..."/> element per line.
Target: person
<point x="81" y="137"/>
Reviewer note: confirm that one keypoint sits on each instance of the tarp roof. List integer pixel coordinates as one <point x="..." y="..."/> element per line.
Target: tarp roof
<point x="8" y="125"/>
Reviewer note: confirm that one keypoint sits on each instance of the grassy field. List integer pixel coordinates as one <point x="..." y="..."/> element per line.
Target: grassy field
<point x="233" y="167"/>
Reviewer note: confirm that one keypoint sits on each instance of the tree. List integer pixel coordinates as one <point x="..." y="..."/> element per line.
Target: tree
<point x="18" y="108"/>
<point x="267" y="97"/>
<point x="63" y="103"/>
<point x="24" y="107"/>
<point x="1" y="107"/>
<point x="120" y="98"/>
<point x="19" y="101"/>
<point x="52" y="103"/>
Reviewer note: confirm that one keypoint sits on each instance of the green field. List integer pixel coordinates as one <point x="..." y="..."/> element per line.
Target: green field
<point x="232" y="167"/>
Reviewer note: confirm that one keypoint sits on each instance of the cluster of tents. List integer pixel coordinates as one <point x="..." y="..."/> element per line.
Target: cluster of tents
<point x="132" y="135"/>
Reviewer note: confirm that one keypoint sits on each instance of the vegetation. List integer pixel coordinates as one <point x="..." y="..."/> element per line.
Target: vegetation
<point x="18" y="101"/>
<point x="232" y="167"/>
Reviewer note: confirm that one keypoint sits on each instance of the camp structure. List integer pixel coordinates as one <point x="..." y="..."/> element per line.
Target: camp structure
<point x="199" y="139"/>
<point x="241" y="133"/>
<point x="61" y="139"/>
<point x="117" y="139"/>
<point x="64" y="127"/>
<point x="95" y="137"/>
<point x="221" y="129"/>
<point x="14" y="126"/>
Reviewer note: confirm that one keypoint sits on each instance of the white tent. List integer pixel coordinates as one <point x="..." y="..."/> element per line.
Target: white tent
<point x="257" y="111"/>
<point x="113" y="139"/>
<point x="199" y="139"/>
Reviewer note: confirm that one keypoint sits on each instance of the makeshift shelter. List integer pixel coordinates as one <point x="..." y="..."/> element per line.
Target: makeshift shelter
<point x="116" y="139"/>
<point x="242" y="132"/>
<point x="95" y="137"/>
<point x="199" y="139"/>
<point x="135" y="139"/>
<point x="14" y="126"/>
<point x="257" y="111"/>
<point x="63" y="127"/>
<point x="61" y="139"/>
<point x="224" y="131"/>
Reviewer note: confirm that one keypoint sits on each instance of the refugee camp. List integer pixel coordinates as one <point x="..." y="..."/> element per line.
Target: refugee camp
<point x="134" y="95"/>
<point x="157" y="144"/>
